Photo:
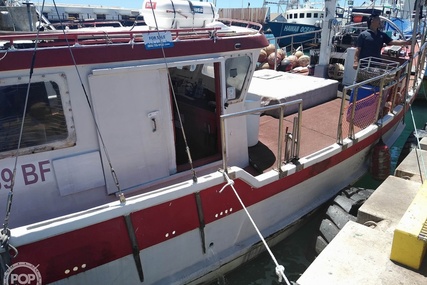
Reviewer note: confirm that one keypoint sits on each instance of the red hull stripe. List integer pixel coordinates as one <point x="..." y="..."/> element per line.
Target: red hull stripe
<point x="98" y="244"/>
<point x="74" y="252"/>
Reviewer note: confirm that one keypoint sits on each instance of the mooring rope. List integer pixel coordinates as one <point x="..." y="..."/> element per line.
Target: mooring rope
<point x="422" y="164"/>
<point x="280" y="269"/>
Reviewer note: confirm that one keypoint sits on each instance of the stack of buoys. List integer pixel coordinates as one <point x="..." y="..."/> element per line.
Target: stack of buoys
<point x="270" y="57"/>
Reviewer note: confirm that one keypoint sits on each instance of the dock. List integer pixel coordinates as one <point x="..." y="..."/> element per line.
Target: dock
<point x="387" y="242"/>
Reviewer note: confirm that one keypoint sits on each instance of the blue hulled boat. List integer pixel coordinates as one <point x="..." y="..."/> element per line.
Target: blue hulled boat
<point x="301" y="21"/>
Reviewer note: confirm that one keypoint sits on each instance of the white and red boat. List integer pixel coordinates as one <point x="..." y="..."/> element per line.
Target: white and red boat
<point x="137" y="156"/>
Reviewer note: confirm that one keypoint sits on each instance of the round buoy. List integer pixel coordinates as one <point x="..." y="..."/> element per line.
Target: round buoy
<point x="265" y="65"/>
<point x="357" y="19"/>
<point x="262" y="56"/>
<point x="381" y="160"/>
<point x="304" y="60"/>
<point x="280" y="52"/>
<point x="270" y="49"/>
<point x="285" y="65"/>
<point x="293" y="59"/>
<point x="272" y="57"/>
<point x="298" y="54"/>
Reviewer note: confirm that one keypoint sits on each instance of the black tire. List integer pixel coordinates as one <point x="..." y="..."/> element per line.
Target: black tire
<point x="342" y="209"/>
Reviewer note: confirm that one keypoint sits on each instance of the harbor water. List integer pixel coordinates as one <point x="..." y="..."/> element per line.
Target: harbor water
<point x="297" y="252"/>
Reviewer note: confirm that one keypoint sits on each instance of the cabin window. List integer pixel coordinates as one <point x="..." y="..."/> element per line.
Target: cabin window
<point x="316" y="15"/>
<point x="44" y="120"/>
<point x="74" y="16"/>
<point x="301" y="15"/>
<point x="106" y="24"/>
<point x="290" y="16"/>
<point x="296" y="16"/>
<point x="236" y="72"/>
<point x="194" y="81"/>
<point x="308" y="15"/>
<point x="101" y="17"/>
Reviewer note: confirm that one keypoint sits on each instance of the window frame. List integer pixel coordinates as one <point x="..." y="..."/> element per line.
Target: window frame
<point x="247" y="79"/>
<point x="61" y="82"/>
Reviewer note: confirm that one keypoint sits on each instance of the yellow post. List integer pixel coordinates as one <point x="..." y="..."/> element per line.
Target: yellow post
<point x="409" y="240"/>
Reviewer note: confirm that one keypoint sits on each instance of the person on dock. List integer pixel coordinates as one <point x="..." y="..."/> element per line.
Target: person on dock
<point x="371" y="41"/>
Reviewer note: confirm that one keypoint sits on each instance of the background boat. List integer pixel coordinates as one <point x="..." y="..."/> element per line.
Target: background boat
<point x="300" y="20"/>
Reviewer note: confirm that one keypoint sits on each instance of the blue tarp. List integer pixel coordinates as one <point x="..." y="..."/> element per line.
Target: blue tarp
<point x="404" y="25"/>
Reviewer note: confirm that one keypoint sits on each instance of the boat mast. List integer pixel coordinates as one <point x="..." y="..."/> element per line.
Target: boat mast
<point x="278" y="3"/>
<point x="325" y="44"/>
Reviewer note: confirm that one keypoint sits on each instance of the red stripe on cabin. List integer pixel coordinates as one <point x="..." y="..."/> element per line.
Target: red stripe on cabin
<point x="98" y="54"/>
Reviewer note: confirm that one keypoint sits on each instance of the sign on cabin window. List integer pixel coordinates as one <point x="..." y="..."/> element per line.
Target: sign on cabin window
<point x="42" y="120"/>
<point x="236" y="73"/>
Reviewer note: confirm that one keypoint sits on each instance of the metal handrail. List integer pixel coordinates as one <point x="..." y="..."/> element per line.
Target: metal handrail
<point x="355" y="88"/>
<point x="277" y="40"/>
<point x="280" y="106"/>
<point x="419" y="68"/>
<point x="299" y="34"/>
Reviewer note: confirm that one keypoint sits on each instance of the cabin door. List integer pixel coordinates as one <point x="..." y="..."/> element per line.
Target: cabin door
<point x="133" y="111"/>
<point x="196" y="115"/>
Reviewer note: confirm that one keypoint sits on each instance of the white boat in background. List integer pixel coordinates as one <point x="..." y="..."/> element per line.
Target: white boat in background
<point x="300" y="20"/>
<point x="138" y="155"/>
<point x="60" y="15"/>
<point x="86" y="12"/>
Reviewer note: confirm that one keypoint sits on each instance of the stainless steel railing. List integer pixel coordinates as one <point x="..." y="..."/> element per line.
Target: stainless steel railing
<point x="414" y="67"/>
<point x="294" y="140"/>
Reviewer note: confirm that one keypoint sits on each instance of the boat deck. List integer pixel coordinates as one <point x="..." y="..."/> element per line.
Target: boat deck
<point x="321" y="102"/>
<point x="321" y="108"/>
<point x="318" y="130"/>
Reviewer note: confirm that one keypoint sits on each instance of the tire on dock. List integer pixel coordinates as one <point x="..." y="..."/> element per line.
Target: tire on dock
<point x="342" y="209"/>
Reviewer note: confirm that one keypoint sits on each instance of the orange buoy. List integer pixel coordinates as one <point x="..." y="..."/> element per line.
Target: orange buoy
<point x="381" y="160"/>
<point x="357" y="19"/>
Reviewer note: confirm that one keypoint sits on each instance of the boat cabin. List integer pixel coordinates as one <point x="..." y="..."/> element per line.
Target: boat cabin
<point x="306" y="16"/>
<point x="140" y="120"/>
